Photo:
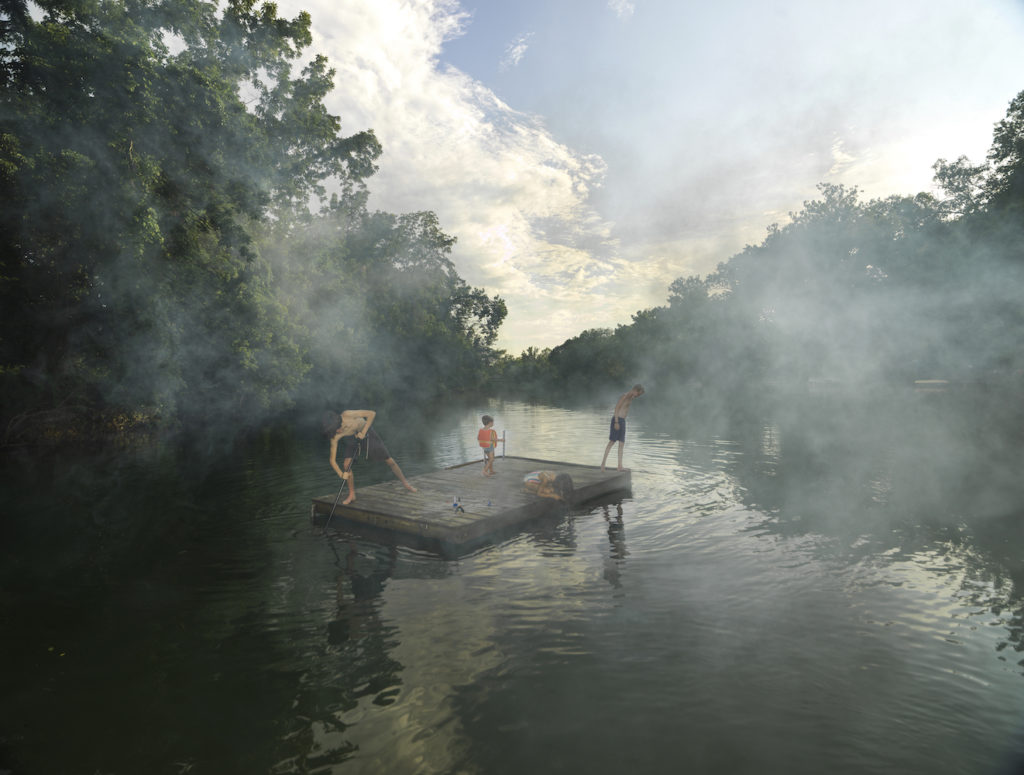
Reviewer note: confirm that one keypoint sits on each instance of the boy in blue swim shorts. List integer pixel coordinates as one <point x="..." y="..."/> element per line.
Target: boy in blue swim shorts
<point x="617" y="428"/>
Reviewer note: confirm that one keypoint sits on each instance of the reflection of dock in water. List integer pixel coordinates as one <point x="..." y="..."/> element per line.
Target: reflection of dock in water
<point x="489" y="504"/>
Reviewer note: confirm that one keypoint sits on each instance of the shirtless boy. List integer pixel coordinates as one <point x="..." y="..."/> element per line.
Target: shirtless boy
<point x="617" y="431"/>
<point x="352" y="429"/>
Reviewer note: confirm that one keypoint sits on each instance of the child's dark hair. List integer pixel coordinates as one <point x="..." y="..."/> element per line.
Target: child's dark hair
<point x="329" y="423"/>
<point x="563" y="486"/>
<point x="487" y="419"/>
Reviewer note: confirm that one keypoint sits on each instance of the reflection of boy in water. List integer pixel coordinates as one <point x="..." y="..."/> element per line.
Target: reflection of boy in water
<point x="365" y="574"/>
<point x="548" y="484"/>
<point x="352" y="429"/>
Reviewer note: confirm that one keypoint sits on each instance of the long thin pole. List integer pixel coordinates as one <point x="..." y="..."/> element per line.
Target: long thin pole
<point x="344" y="482"/>
<point x="327" y="524"/>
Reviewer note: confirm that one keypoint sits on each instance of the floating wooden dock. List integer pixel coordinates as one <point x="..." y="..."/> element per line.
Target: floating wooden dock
<point x="490" y="505"/>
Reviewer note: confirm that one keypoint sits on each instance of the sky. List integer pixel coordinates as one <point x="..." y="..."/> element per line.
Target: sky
<point x="586" y="153"/>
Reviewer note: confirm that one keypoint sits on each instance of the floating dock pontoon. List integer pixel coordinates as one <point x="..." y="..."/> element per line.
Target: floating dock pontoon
<point x="488" y="504"/>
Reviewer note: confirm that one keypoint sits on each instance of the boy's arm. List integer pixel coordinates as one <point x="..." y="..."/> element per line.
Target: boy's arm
<point x="368" y="415"/>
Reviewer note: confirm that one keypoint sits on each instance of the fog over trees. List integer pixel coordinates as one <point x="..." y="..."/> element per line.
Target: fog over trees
<point x="185" y="233"/>
<point x="185" y="236"/>
<point x="848" y="295"/>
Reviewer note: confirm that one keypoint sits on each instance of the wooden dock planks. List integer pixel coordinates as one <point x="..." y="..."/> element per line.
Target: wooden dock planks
<point x="490" y="504"/>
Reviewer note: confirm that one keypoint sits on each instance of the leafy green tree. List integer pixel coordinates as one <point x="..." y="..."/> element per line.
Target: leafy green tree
<point x="585" y="363"/>
<point x="1004" y="186"/>
<point x="962" y="183"/>
<point x="388" y="315"/>
<point x="133" y="177"/>
<point x="849" y="292"/>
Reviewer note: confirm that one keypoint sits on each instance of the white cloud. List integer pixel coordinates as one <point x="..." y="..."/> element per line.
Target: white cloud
<point x="515" y="198"/>
<point x="840" y="158"/>
<point x="700" y="127"/>
<point x="623" y="8"/>
<point x="515" y="51"/>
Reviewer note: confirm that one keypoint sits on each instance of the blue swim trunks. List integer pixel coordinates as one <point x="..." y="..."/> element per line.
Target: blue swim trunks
<point x="617" y="434"/>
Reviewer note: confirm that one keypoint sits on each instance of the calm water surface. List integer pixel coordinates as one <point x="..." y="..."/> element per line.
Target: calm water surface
<point x="727" y="616"/>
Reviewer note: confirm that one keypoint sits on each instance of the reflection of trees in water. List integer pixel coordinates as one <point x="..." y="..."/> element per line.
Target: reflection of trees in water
<point x="916" y="457"/>
<point x="86" y="516"/>
<point x="904" y="482"/>
<point x="158" y="607"/>
<point x="354" y="666"/>
<point x="999" y="544"/>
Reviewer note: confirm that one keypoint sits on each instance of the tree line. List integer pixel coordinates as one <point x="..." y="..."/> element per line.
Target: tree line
<point x="185" y="235"/>
<point x="848" y="295"/>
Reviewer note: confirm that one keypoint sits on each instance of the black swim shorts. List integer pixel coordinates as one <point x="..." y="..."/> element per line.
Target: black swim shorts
<point x="371" y="447"/>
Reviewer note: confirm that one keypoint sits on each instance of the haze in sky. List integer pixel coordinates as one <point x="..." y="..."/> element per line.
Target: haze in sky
<point x="586" y="153"/>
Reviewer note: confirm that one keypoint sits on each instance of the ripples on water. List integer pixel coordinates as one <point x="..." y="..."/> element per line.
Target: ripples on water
<point x="710" y="621"/>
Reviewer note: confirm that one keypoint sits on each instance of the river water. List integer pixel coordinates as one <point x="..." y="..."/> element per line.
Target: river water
<point x="734" y="613"/>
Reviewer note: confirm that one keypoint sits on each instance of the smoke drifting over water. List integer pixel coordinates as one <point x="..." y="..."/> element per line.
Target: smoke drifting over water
<point x="661" y="138"/>
<point x="171" y="248"/>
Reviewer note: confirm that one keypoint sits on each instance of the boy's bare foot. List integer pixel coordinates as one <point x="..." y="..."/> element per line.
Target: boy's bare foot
<point x="348" y="500"/>
<point x="409" y="487"/>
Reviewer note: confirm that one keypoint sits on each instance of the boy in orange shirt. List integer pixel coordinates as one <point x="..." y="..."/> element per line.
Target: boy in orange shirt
<point x="488" y="440"/>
